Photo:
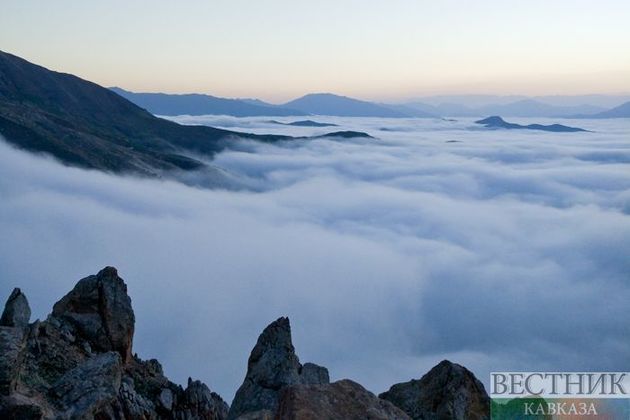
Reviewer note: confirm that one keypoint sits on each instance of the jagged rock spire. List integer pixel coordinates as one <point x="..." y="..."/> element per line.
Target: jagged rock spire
<point x="13" y="332"/>
<point x="272" y="366"/>
<point x="273" y="362"/>
<point x="17" y="312"/>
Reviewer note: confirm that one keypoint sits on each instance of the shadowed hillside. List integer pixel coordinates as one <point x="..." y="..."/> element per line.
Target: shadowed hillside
<point x="83" y="124"/>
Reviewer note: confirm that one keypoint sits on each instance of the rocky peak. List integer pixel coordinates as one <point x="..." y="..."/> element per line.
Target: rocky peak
<point x="200" y="401"/>
<point x="13" y="333"/>
<point x="272" y="366"/>
<point x="17" y="312"/>
<point x="448" y="390"/>
<point x="78" y="365"/>
<point x="100" y="310"/>
<point x="272" y="362"/>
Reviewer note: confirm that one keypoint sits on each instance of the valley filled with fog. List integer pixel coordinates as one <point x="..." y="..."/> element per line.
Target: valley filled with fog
<point x="496" y="249"/>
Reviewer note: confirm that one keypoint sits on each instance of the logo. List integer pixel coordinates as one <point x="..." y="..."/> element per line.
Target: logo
<point x="560" y="395"/>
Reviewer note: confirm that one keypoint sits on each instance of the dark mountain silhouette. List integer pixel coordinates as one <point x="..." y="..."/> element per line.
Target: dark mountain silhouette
<point x="346" y="135"/>
<point x="83" y="124"/>
<point x="342" y="106"/>
<point x="498" y="122"/>
<point x="621" y="111"/>
<point x="305" y="123"/>
<point x="198" y="104"/>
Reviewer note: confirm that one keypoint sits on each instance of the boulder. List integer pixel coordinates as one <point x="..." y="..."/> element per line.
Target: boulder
<point x="341" y="400"/>
<point x="17" y="312"/>
<point x="272" y="366"/>
<point x="100" y="310"/>
<point x="448" y="391"/>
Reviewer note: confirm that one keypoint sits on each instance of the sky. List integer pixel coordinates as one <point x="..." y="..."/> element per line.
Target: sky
<point x="504" y="251"/>
<point x="377" y="50"/>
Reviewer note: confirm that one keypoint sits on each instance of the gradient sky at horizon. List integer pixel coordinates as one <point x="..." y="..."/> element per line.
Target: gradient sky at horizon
<point x="280" y="49"/>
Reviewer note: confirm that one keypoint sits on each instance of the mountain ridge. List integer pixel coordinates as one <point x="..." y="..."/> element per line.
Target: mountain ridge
<point x="342" y="106"/>
<point x="331" y="104"/>
<point x="621" y="111"/>
<point x="86" y="125"/>
<point x="201" y="104"/>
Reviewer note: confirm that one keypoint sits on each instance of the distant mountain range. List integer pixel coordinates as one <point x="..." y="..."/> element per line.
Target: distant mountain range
<point x="621" y="111"/>
<point x="520" y="108"/>
<point x="197" y="104"/>
<point x="335" y="105"/>
<point x="83" y="124"/>
<point x="312" y="104"/>
<point x="343" y="106"/>
<point x="477" y="101"/>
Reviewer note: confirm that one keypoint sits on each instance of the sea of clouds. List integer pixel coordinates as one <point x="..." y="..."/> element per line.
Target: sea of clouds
<point x="499" y="250"/>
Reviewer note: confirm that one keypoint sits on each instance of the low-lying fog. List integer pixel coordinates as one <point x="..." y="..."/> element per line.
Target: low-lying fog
<point x="499" y="250"/>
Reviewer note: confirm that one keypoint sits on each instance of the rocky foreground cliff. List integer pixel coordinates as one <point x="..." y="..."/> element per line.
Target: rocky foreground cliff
<point x="79" y="364"/>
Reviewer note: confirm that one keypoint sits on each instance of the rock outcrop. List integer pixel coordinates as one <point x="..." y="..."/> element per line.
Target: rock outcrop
<point x="278" y="387"/>
<point x="100" y="310"/>
<point x="13" y="330"/>
<point x="272" y="366"/>
<point x="341" y="400"/>
<point x="448" y="391"/>
<point x="78" y="363"/>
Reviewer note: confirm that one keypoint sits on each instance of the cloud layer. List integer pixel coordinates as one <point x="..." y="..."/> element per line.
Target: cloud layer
<point x="502" y="251"/>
